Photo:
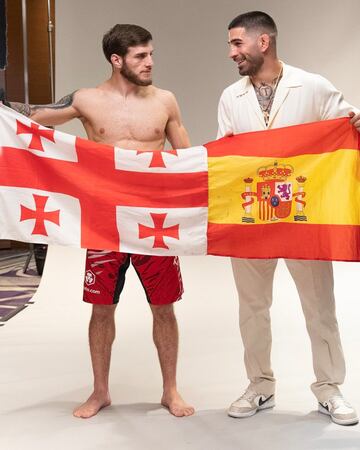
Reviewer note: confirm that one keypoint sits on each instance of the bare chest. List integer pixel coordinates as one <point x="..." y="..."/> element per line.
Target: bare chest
<point x="127" y="124"/>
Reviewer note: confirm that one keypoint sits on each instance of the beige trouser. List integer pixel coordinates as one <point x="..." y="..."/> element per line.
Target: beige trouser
<point x="314" y="282"/>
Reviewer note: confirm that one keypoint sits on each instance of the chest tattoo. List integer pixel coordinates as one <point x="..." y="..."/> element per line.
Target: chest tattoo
<point x="265" y="93"/>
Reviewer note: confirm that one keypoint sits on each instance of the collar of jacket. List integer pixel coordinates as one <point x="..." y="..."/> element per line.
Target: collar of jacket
<point x="289" y="80"/>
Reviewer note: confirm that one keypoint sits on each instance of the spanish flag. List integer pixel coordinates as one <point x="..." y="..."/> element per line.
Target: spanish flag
<point x="290" y="192"/>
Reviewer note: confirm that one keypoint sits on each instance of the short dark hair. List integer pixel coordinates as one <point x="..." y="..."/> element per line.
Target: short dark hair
<point x="121" y="37"/>
<point x="255" y="20"/>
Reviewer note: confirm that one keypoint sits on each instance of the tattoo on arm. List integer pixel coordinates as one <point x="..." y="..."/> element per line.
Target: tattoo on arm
<point x="27" y="110"/>
<point x="22" y="108"/>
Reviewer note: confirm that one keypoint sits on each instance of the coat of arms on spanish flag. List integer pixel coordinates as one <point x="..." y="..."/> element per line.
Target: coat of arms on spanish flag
<point x="289" y="192"/>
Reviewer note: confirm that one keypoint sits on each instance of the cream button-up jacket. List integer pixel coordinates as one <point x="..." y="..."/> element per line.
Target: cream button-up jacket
<point x="300" y="97"/>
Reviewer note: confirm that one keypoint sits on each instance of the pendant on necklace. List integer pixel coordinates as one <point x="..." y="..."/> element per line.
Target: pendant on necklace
<point x="265" y="91"/>
<point x="266" y="117"/>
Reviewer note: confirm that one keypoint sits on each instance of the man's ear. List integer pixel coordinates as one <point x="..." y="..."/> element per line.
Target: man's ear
<point x="264" y="42"/>
<point x="116" y="61"/>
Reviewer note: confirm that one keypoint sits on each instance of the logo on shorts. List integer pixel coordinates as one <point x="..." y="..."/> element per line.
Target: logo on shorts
<point x="89" y="278"/>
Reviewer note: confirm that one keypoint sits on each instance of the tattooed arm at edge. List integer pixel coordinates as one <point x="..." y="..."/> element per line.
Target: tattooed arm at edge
<point x="28" y="110"/>
<point x="49" y="115"/>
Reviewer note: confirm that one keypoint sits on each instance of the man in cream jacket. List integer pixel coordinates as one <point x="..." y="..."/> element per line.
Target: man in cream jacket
<point x="272" y="94"/>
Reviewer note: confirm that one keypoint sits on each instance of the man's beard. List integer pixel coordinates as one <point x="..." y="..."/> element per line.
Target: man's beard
<point x="132" y="77"/>
<point x="254" y="65"/>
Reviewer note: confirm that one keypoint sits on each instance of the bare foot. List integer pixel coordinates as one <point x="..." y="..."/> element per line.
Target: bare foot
<point x="176" y="405"/>
<point x="92" y="406"/>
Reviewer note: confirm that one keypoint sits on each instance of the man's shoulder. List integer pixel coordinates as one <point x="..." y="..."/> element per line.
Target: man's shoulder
<point x="93" y="98"/>
<point x="166" y="98"/>
<point x="302" y="75"/>
<point x="85" y="94"/>
<point x="163" y="94"/>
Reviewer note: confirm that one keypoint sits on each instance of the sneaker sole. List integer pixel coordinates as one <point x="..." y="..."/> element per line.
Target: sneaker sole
<point x="252" y="412"/>
<point x="323" y="410"/>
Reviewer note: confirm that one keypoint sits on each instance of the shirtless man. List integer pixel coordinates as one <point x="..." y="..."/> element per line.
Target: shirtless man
<point x="128" y="112"/>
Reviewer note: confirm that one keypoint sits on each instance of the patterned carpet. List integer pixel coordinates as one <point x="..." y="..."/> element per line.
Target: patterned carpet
<point x="16" y="287"/>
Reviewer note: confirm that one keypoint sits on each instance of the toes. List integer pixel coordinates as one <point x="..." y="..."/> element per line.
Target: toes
<point x="181" y="412"/>
<point x="189" y="411"/>
<point x="177" y="407"/>
<point x="83" y="414"/>
<point x="177" y="412"/>
<point x="87" y="411"/>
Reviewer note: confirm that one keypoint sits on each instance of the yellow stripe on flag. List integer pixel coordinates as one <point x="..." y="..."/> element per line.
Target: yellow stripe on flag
<point x="316" y="191"/>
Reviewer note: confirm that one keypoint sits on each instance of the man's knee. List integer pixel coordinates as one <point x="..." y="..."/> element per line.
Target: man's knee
<point x="163" y="313"/>
<point x="103" y="312"/>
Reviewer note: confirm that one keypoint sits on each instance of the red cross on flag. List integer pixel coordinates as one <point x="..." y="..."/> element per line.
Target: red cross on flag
<point x="167" y="161"/>
<point x="163" y="231"/>
<point x="33" y="215"/>
<point x="18" y="131"/>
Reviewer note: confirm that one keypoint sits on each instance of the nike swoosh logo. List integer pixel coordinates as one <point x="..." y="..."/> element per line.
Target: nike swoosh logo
<point x="261" y="401"/>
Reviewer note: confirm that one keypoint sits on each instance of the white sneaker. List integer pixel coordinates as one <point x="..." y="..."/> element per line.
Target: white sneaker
<point x="340" y="411"/>
<point x="249" y="403"/>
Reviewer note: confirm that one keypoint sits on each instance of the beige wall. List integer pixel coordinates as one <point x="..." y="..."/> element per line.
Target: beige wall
<point x="190" y="40"/>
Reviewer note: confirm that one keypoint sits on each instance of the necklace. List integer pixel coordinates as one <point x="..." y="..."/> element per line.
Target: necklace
<point x="265" y="94"/>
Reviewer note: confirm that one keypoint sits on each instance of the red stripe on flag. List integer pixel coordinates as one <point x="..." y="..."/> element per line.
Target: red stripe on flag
<point x="308" y="138"/>
<point x="285" y="240"/>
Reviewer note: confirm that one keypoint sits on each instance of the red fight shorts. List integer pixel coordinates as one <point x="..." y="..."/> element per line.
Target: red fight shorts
<point x="105" y="277"/>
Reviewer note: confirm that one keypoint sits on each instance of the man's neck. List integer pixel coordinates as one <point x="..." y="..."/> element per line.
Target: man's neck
<point x="269" y="71"/>
<point x="123" y="86"/>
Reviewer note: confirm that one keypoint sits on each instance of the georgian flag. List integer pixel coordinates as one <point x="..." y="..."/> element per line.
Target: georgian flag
<point x="56" y="188"/>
